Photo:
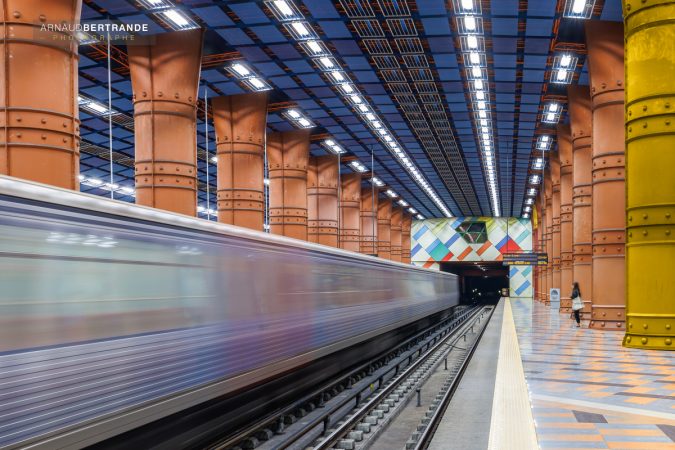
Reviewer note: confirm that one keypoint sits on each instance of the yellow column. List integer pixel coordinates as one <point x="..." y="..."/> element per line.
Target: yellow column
<point x="650" y="186"/>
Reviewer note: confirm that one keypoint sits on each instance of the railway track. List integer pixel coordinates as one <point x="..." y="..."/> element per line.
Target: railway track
<point x="351" y="412"/>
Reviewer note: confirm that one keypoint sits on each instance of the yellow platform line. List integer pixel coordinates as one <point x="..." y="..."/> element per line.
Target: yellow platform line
<point x="512" y="425"/>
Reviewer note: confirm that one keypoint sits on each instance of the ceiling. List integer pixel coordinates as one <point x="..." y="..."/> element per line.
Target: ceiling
<point x="410" y="64"/>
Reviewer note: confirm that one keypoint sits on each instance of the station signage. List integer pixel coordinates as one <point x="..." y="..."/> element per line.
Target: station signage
<point x="525" y="259"/>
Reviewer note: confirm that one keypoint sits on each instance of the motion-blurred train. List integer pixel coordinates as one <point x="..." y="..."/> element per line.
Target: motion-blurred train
<point x="114" y="315"/>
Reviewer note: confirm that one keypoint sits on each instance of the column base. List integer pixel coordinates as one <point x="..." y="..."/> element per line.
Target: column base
<point x="608" y="317"/>
<point x="650" y="331"/>
<point x="565" y="305"/>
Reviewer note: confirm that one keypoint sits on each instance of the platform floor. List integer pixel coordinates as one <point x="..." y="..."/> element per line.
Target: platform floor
<point x="587" y="391"/>
<point x="579" y="387"/>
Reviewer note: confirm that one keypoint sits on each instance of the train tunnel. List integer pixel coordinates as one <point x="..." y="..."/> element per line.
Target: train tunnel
<point x="483" y="281"/>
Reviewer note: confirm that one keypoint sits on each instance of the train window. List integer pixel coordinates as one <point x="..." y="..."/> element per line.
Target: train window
<point x="473" y="232"/>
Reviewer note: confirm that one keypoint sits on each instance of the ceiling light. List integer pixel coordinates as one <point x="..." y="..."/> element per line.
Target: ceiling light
<point x="370" y="116"/>
<point x="467" y="4"/>
<point x="376" y="181"/>
<point x="283" y="8"/>
<point x="420" y="217"/>
<point x="478" y="84"/>
<point x="474" y="58"/>
<point x="403" y="203"/>
<point x="578" y="6"/>
<point x="241" y="69"/>
<point x="391" y="193"/>
<point x="562" y="75"/>
<point x="356" y="165"/>
<point x="329" y="142"/>
<point x="565" y="61"/>
<point x="300" y="28"/>
<point x="347" y="88"/>
<point x="356" y="99"/>
<point x="257" y="83"/>
<point x="363" y="108"/>
<point x="294" y="114"/>
<point x="470" y="23"/>
<point x="214" y="159"/>
<point x="176" y="17"/>
<point x="481" y="105"/>
<point x="337" y="75"/>
<point x="553" y="107"/>
<point x="304" y="122"/>
<point x="412" y="210"/>
<point x="97" y="107"/>
<point x="326" y="62"/>
<point x="476" y="72"/>
<point x="472" y="42"/>
<point x="315" y="47"/>
<point x="480" y="95"/>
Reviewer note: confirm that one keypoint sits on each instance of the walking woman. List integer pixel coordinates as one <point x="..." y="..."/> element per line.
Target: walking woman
<point x="577" y="303"/>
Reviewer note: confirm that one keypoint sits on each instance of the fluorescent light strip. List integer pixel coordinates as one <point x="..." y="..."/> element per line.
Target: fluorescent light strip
<point x="481" y="100"/>
<point x="95" y="182"/>
<point x="361" y="104"/>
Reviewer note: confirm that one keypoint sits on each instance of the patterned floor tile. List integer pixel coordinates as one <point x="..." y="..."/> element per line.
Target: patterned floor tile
<point x="579" y="378"/>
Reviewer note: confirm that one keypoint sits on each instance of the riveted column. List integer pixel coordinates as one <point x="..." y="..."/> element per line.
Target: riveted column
<point x="322" y="197"/>
<point x="384" y="228"/>
<point x="288" y="156"/>
<point x="535" y="247"/>
<point x="39" y="99"/>
<point x="406" y="226"/>
<point x="650" y="185"/>
<point x="396" y="229"/>
<point x="582" y="219"/>
<point x="240" y="122"/>
<point x="548" y="192"/>
<point x="369" y="205"/>
<point x="350" y="211"/>
<point x="566" y="239"/>
<point x="604" y="41"/>
<point x="555" y="208"/>
<point x="540" y="202"/>
<point x="165" y="79"/>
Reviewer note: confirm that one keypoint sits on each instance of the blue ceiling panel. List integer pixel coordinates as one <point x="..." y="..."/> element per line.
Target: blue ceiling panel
<point x="213" y="16"/>
<point x="505" y="26"/>
<point x="269" y="34"/>
<point x="334" y="29"/>
<point x="322" y="9"/>
<point x="249" y="13"/>
<point x="285" y="51"/>
<point x="234" y="36"/>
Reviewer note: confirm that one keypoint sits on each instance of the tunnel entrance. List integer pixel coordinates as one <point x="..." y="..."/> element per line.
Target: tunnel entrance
<point x="479" y="281"/>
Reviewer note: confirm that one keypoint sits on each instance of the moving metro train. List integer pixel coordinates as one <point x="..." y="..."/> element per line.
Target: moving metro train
<point x="114" y="315"/>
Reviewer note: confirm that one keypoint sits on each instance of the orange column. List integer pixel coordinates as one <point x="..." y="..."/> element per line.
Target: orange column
<point x="322" y="197"/>
<point x="165" y="79"/>
<point x="604" y="41"/>
<point x="542" y="244"/>
<point x="396" y="229"/>
<point x="406" y="225"/>
<point x="580" y="125"/>
<point x="384" y="228"/>
<point x="369" y="205"/>
<point x="555" y="207"/>
<point x="566" y="242"/>
<point x="350" y="212"/>
<point x="549" y="235"/>
<point x="240" y="122"/>
<point x="288" y="156"/>
<point x="41" y="139"/>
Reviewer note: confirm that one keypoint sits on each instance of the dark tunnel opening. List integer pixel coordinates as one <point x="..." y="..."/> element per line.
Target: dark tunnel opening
<point x="482" y="282"/>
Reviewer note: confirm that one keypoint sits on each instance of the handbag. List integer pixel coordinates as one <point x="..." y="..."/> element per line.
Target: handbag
<point x="577" y="304"/>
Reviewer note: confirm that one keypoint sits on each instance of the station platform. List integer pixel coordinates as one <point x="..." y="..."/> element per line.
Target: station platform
<point x="538" y="381"/>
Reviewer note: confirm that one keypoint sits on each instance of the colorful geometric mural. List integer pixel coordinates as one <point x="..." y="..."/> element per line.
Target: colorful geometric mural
<point x="438" y="240"/>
